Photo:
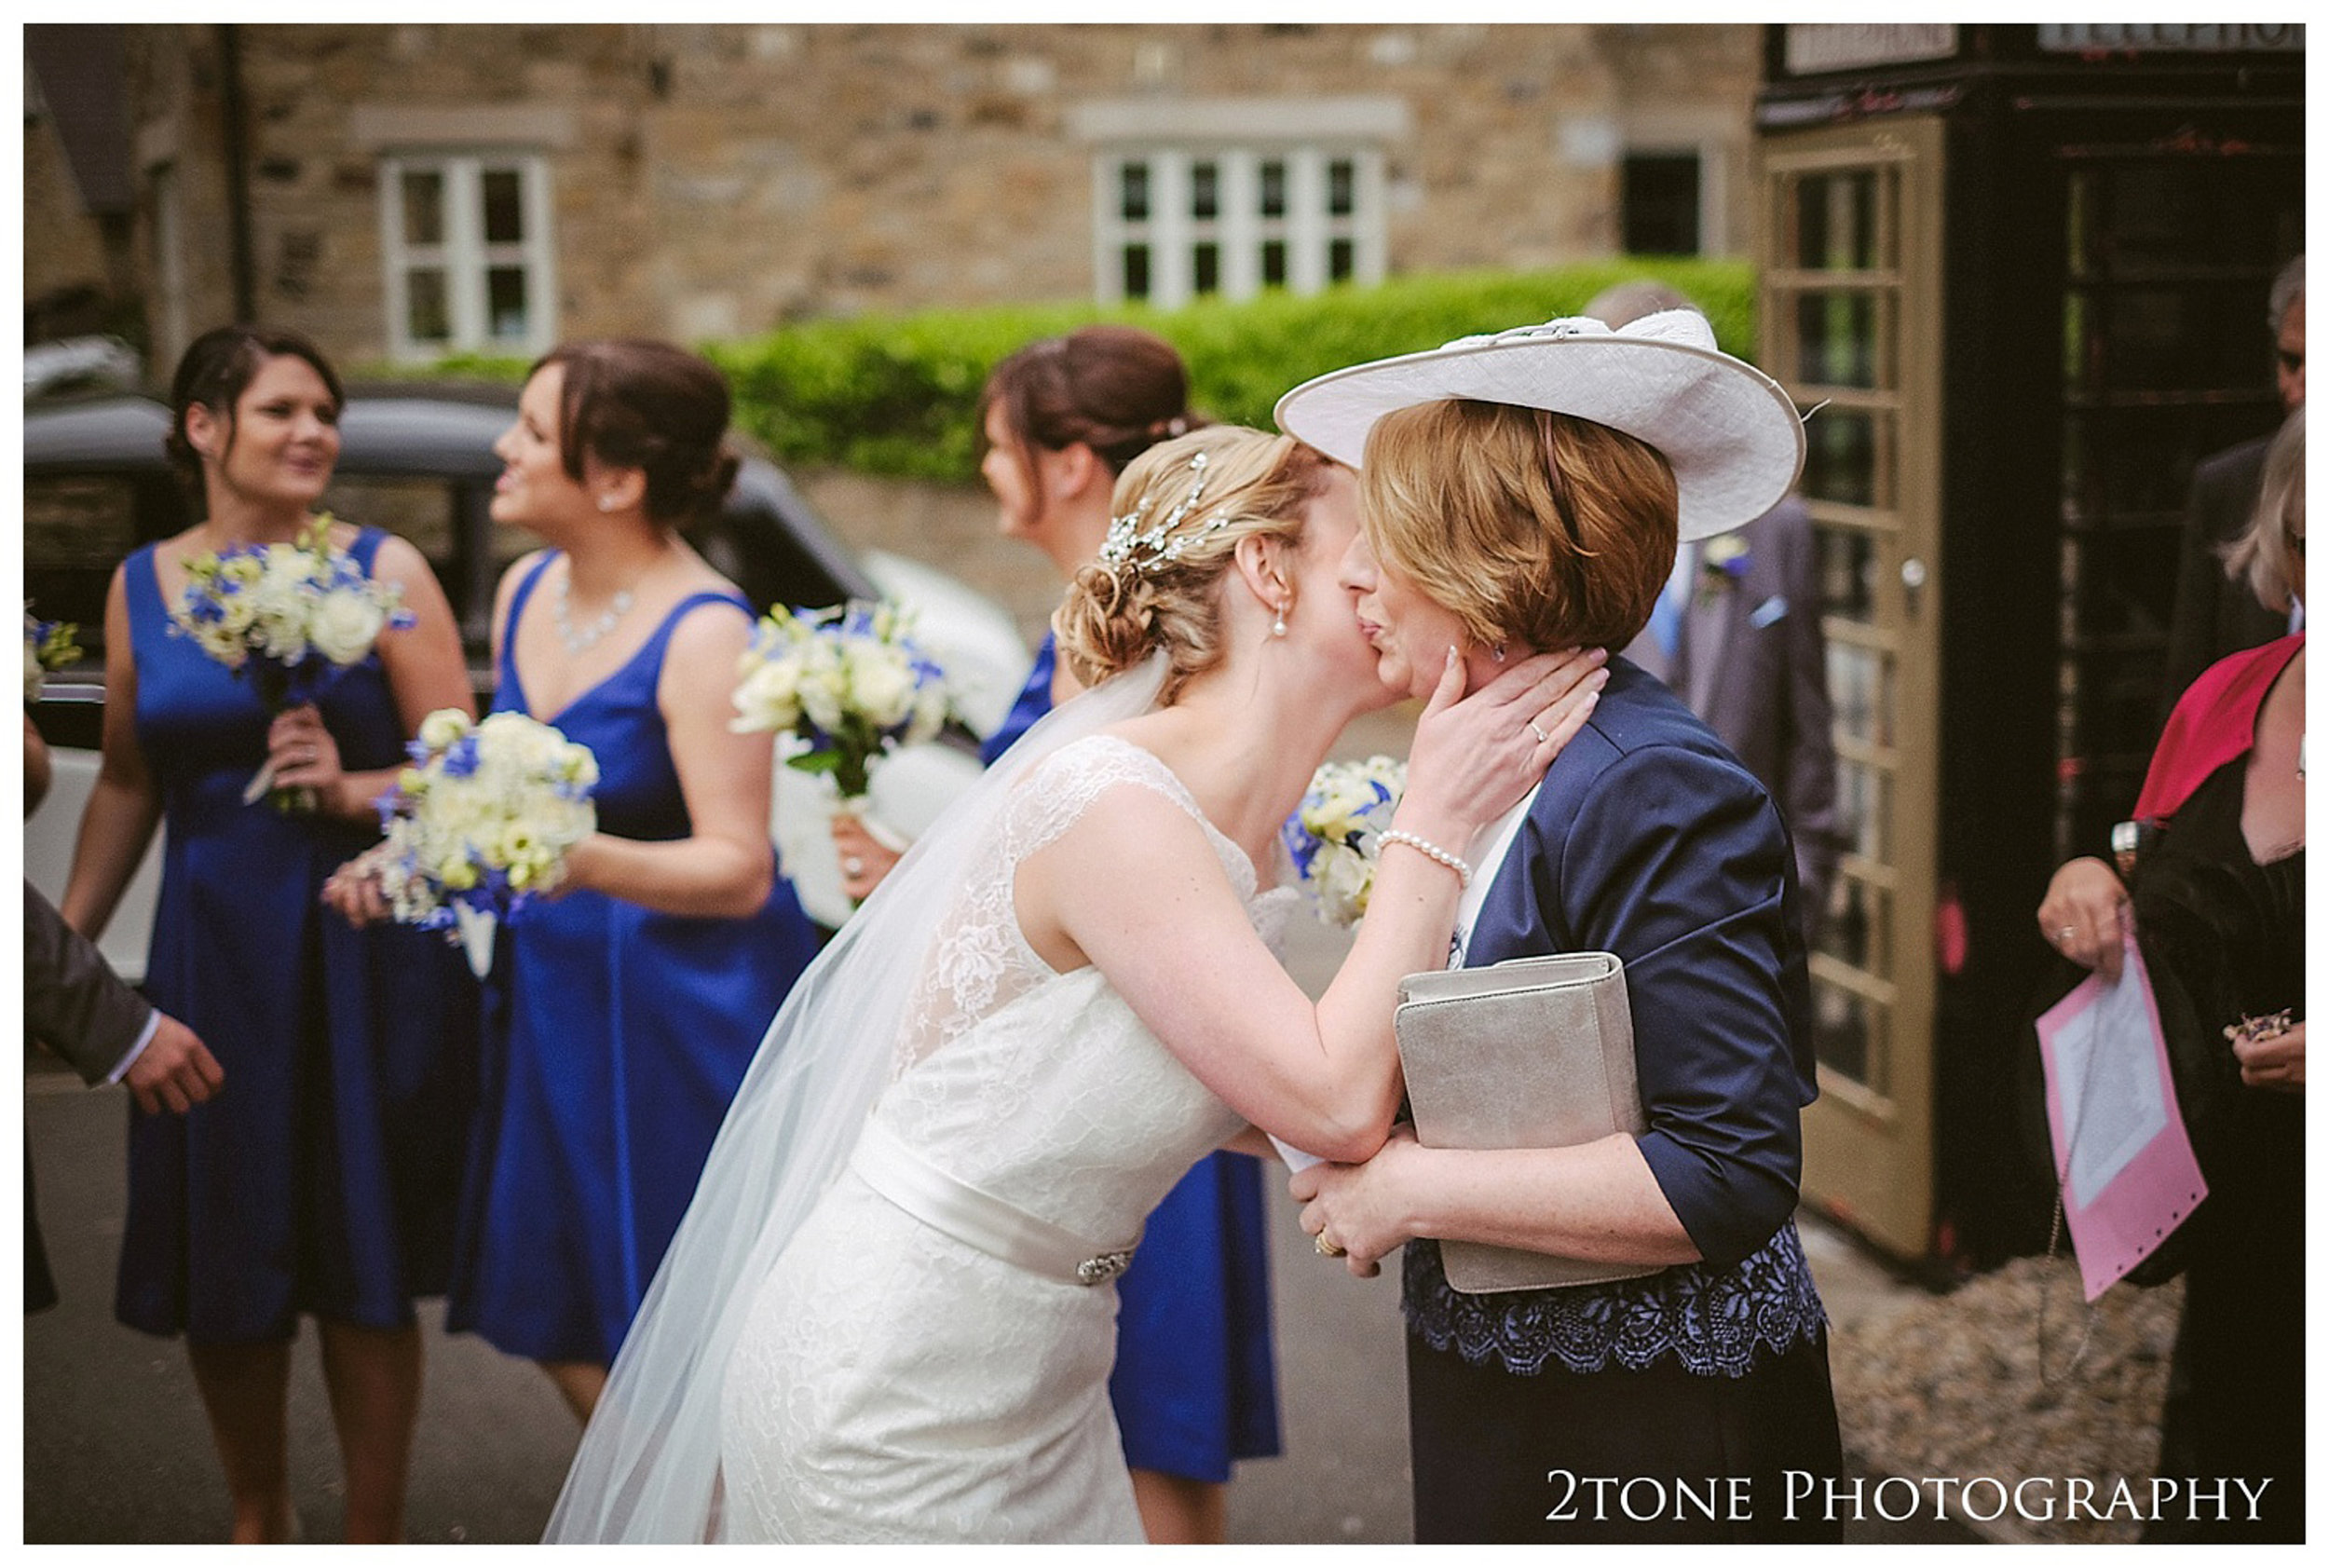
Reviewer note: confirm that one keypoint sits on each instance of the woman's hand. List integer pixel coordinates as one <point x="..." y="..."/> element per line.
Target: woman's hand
<point x="354" y="888"/>
<point x="2271" y="1061"/>
<point x="865" y="859"/>
<point x="305" y="756"/>
<point x="2083" y="915"/>
<point x="1475" y="756"/>
<point x="1360" y="1209"/>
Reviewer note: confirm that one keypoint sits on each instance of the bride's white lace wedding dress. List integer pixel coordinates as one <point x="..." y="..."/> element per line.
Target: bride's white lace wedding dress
<point x="927" y="1359"/>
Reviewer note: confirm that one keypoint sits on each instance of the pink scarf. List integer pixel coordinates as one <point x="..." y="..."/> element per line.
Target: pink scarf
<point x="2213" y="723"/>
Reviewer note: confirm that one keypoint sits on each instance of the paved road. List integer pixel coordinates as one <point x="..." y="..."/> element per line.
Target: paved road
<point x="116" y="1449"/>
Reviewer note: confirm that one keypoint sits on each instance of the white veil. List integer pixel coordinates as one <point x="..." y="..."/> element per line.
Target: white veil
<point x="648" y="1466"/>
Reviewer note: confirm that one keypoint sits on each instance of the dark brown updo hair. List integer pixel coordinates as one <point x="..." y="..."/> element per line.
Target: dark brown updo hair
<point x="1117" y="390"/>
<point x="637" y="403"/>
<point x="215" y="371"/>
<point x="1118" y="613"/>
<point x="1530" y="526"/>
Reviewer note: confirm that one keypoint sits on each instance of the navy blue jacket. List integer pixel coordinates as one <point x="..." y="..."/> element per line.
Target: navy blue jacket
<point x="1649" y="840"/>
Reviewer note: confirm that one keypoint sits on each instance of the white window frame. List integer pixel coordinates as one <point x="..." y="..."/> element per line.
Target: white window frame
<point x="464" y="254"/>
<point x="1172" y="232"/>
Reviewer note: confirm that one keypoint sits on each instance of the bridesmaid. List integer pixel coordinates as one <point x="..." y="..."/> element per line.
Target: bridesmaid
<point x="622" y="1013"/>
<point x="1195" y="1384"/>
<point x="323" y="1181"/>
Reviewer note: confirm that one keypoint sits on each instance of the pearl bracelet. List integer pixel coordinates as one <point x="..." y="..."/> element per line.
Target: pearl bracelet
<point x="1453" y="863"/>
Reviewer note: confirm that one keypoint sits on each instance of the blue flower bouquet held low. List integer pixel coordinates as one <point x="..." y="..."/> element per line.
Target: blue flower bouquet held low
<point x="479" y="824"/>
<point x="848" y="685"/>
<point x="292" y="616"/>
<point x="1335" y="836"/>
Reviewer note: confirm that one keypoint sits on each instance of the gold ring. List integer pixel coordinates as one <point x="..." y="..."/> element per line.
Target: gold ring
<point x="1325" y="1248"/>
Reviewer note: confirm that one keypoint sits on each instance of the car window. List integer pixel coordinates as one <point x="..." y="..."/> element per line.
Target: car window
<point x="76" y="529"/>
<point x="424" y="510"/>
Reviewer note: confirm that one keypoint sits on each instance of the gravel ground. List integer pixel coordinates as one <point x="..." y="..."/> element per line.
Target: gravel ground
<point x="1949" y="1386"/>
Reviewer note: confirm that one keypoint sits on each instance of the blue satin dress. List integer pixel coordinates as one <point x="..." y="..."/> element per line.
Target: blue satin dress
<point x="324" y="1176"/>
<point x="1195" y="1384"/>
<point x="614" y="1037"/>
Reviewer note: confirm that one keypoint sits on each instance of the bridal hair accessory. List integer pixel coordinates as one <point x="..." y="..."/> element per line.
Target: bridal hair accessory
<point x="1730" y="433"/>
<point x="1414" y="841"/>
<point x="1128" y="545"/>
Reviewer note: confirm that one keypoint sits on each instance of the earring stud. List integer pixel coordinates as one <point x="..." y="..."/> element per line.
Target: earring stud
<point x="607" y="503"/>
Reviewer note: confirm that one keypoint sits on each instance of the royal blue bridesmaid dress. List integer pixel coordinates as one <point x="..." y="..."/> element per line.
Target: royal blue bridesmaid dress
<point x="615" y="1037"/>
<point x="1195" y="1383"/>
<point x="324" y="1175"/>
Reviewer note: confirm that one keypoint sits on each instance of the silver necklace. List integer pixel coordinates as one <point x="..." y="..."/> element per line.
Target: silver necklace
<point x="583" y="640"/>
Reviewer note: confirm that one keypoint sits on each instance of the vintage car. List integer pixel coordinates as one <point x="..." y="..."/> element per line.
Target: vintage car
<point x="421" y="463"/>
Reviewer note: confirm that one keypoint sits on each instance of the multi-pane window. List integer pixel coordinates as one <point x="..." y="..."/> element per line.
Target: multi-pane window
<point x="1177" y="224"/>
<point x="1659" y="202"/>
<point x="467" y="247"/>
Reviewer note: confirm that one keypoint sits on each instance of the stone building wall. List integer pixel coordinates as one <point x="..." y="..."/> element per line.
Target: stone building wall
<point x="64" y="250"/>
<point x="716" y="180"/>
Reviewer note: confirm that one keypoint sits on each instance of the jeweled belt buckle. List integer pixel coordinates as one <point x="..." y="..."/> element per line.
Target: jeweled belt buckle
<point x="1101" y="1269"/>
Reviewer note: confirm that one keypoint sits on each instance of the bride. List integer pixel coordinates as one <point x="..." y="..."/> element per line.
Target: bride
<point x="888" y="1315"/>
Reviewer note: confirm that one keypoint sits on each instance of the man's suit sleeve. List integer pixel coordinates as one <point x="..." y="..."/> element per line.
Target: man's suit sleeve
<point x="1676" y="863"/>
<point x="73" y="1003"/>
<point x="1809" y="797"/>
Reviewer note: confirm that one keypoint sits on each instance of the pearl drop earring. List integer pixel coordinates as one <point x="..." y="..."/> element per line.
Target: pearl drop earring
<point x="1279" y="629"/>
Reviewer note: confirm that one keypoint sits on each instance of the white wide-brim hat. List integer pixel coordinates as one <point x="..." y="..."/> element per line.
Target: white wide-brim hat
<point x="1730" y="432"/>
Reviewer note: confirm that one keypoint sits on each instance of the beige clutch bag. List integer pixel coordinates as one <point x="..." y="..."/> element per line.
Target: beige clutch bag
<point x="1534" y="1053"/>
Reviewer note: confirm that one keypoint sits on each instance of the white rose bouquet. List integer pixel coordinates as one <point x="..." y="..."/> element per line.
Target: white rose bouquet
<point x="289" y="616"/>
<point x="481" y="823"/>
<point x="849" y="684"/>
<point x="1335" y="836"/>
<point x="48" y="645"/>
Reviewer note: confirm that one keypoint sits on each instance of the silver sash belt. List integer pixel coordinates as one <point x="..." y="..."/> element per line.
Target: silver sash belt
<point x="979" y="1220"/>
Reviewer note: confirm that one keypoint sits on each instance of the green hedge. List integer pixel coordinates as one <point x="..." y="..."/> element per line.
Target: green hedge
<point x="897" y="394"/>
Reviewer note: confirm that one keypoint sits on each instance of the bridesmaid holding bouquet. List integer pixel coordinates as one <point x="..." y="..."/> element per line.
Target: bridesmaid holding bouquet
<point x="322" y="1181"/>
<point x="622" y="1009"/>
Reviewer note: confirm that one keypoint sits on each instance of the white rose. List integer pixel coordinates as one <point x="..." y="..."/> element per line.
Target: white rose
<point x="821" y="698"/>
<point x="345" y="625"/>
<point x="443" y="728"/>
<point x="1344" y="881"/>
<point x="768" y="697"/>
<point x="881" y="683"/>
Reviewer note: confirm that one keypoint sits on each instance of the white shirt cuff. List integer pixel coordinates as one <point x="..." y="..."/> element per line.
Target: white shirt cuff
<point x="145" y="1038"/>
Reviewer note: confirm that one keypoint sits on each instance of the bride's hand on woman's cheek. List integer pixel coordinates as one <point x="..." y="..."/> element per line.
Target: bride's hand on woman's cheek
<point x="1362" y="1208"/>
<point x="1479" y="755"/>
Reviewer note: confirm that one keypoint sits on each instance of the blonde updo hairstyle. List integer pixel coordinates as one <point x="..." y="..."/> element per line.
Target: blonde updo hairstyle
<point x="1117" y="614"/>
<point x="1531" y="527"/>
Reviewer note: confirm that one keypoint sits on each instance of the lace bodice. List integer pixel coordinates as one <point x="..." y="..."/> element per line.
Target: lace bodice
<point x="1043" y="1088"/>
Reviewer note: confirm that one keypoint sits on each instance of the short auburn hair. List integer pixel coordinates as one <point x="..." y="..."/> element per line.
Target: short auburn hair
<point x="1531" y="527"/>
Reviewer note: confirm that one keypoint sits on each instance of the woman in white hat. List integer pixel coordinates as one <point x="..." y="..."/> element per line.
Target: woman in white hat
<point x="1527" y="492"/>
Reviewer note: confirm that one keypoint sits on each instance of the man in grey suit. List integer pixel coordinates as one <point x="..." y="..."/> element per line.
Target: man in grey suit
<point x="2215" y="615"/>
<point x="77" y="1007"/>
<point x="1736" y="635"/>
